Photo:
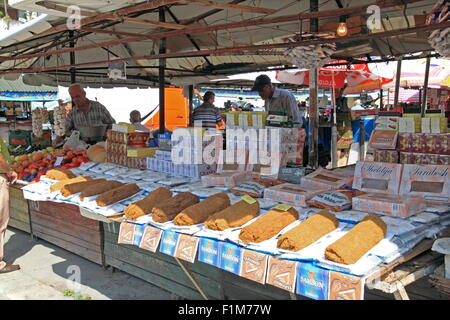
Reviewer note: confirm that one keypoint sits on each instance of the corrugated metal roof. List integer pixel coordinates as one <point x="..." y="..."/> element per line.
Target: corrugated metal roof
<point x="19" y="86"/>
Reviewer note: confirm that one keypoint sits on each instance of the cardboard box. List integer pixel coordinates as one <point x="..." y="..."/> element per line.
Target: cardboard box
<point x="406" y="125"/>
<point x="389" y="156"/>
<point x="387" y="123"/>
<point x="426" y="125"/>
<point x="424" y="143"/>
<point x="326" y="179"/>
<point x="291" y="193"/>
<point x="389" y="204"/>
<point x="383" y="139"/>
<point x="292" y="175"/>
<point x="429" y="181"/>
<point x="123" y="128"/>
<point x="137" y="163"/>
<point x="141" y="152"/>
<point x="377" y="177"/>
<point x="228" y="179"/>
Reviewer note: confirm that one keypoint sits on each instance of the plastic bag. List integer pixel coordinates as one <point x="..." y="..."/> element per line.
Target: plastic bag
<point x="74" y="143"/>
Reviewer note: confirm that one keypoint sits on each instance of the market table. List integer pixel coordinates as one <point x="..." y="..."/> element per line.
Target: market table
<point x="188" y="280"/>
<point x="18" y="209"/>
<point x="62" y="224"/>
<point x="199" y="280"/>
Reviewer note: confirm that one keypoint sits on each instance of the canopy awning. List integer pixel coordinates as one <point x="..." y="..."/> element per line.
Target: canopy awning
<point x="204" y="39"/>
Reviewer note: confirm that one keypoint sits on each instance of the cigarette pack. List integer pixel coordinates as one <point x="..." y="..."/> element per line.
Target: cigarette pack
<point x="326" y="179"/>
<point x="377" y="177"/>
<point x="383" y="139"/>
<point x="429" y="181"/>
<point x="291" y="193"/>
<point x="394" y="205"/>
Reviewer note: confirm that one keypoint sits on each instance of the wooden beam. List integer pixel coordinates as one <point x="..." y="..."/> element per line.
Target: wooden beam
<point x="240" y="25"/>
<point x="121" y="12"/>
<point x="111" y="32"/>
<point x="242" y="50"/>
<point x="54" y="6"/>
<point x="160" y="24"/>
<point x="228" y="6"/>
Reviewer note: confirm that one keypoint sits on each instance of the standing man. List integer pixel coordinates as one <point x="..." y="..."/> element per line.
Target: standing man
<point x="207" y="113"/>
<point x="7" y="176"/>
<point x="85" y="114"/>
<point x="277" y="99"/>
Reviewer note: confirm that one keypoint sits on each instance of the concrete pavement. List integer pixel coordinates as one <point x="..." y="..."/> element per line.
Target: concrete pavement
<point x="47" y="272"/>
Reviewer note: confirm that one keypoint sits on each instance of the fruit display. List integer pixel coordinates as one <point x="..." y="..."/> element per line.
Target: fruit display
<point x="30" y="167"/>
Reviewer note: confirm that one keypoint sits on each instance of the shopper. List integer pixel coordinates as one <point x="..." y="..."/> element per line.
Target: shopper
<point x="7" y="176"/>
<point x="277" y="99"/>
<point x="206" y="113"/>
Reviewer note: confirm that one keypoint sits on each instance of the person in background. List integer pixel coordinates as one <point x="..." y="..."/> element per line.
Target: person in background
<point x="277" y="99"/>
<point x="7" y="176"/>
<point x="206" y="113"/>
<point x="135" y="120"/>
<point x="85" y="113"/>
<point x="357" y="105"/>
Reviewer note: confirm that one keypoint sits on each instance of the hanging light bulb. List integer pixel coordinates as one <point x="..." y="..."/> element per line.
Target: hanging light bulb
<point x="342" y="29"/>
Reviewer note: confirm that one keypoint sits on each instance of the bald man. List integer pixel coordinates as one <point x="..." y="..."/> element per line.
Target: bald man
<point x="85" y="113"/>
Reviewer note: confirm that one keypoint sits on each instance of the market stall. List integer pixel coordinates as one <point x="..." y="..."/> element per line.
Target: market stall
<point x="245" y="228"/>
<point x="186" y="254"/>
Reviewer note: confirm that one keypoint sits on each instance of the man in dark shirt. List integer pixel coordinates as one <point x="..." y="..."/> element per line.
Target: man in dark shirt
<point x="206" y="113"/>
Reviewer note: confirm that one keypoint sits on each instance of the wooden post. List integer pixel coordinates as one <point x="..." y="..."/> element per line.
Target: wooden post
<point x="425" y="86"/>
<point x="162" y="65"/>
<point x="397" y="82"/>
<point x="313" y="135"/>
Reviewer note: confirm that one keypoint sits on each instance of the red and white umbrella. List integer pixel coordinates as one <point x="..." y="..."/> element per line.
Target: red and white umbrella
<point x="335" y="76"/>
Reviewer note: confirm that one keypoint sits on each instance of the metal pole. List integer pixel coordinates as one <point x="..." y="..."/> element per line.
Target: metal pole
<point x="425" y="86"/>
<point x="191" y="98"/>
<point x="397" y="82"/>
<point x="73" y="75"/>
<point x="162" y="65"/>
<point x="313" y="135"/>
<point x="381" y="98"/>
<point x="334" y="158"/>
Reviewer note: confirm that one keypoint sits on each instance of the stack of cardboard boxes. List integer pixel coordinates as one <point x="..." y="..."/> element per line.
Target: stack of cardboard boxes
<point x="127" y="147"/>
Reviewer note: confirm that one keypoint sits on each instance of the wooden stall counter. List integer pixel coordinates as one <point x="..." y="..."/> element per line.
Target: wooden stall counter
<point x="18" y="209"/>
<point x="62" y="224"/>
<point x="196" y="280"/>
